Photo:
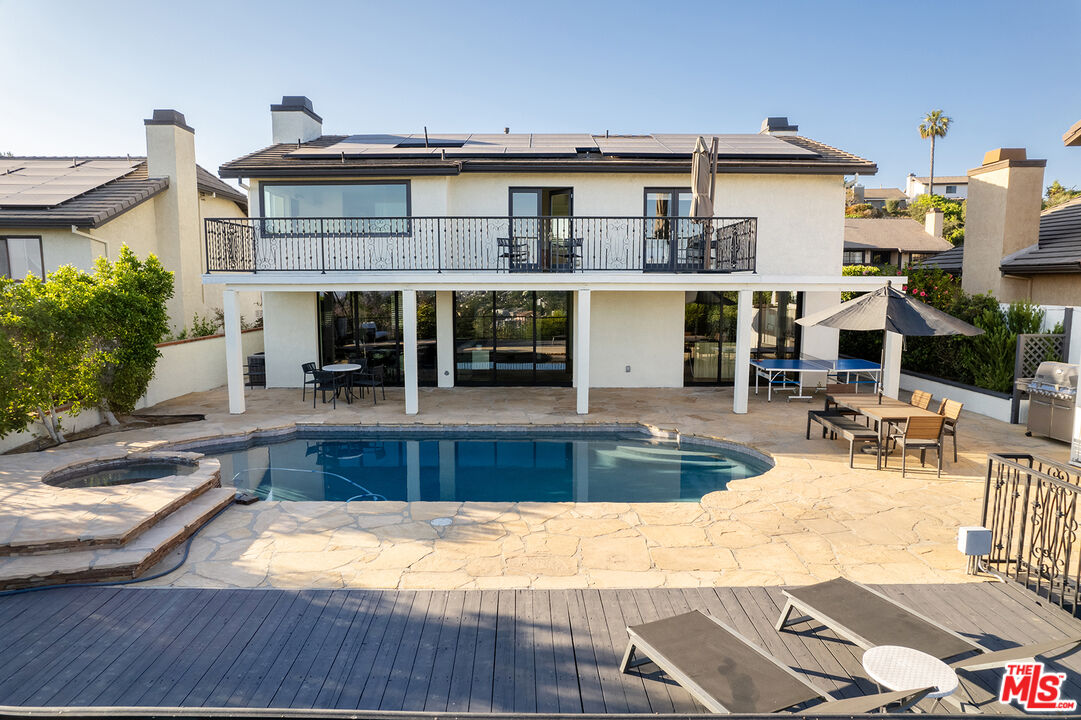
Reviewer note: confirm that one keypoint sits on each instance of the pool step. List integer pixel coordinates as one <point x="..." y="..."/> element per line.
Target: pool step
<point x="121" y="563"/>
<point x="118" y="522"/>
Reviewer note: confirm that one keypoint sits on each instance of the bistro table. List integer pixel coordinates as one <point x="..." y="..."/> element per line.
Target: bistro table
<point x="902" y="668"/>
<point x="344" y="368"/>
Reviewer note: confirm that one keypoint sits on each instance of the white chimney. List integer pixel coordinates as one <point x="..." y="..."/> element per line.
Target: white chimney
<point x="170" y="153"/>
<point x="294" y="120"/>
<point x="932" y="223"/>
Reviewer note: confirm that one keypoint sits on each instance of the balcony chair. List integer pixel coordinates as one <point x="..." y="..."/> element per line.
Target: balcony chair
<point x="325" y="381"/>
<point x="951" y="411"/>
<point x="515" y="252"/>
<point x="308" y="369"/>
<point x="919" y="433"/>
<point x="921" y="399"/>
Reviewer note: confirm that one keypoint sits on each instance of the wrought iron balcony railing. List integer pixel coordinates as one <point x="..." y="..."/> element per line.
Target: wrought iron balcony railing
<point x="497" y="244"/>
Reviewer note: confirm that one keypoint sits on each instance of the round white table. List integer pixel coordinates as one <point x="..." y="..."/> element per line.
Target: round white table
<point x="900" y="668"/>
<point x="343" y="367"/>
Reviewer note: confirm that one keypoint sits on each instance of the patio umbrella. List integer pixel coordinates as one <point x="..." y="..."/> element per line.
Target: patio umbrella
<point x="891" y="310"/>
<point x="702" y="180"/>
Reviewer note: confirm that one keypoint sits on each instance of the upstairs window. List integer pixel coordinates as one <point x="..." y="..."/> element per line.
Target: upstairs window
<point x="320" y="208"/>
<point x="20" y="256"/>
<point x="951" y="189"/>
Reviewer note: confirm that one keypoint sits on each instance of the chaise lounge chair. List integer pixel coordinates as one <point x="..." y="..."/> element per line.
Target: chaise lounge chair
<point x="729" y="674"/>
<point x="869" y="618"/>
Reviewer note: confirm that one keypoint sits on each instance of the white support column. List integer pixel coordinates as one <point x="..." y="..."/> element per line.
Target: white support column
<point x="444" y="337"/>
<point x="581" y="351"/>
<point x="744" y="332"/>
<point x="891" y="364"/>
<point x="234" y="352"/>
<point x="409" y="347"/>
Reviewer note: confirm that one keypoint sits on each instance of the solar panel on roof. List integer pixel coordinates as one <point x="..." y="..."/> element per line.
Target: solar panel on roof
<point x="32" y="182"/>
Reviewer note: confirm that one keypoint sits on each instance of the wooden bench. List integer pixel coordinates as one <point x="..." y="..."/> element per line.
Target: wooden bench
<point x="846" y="427"/>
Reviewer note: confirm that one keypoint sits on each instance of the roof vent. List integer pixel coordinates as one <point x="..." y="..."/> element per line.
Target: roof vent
<point x="778" y="126"/>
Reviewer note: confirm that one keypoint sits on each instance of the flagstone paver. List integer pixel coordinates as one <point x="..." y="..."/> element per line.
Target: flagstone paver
<point x="809" y="518"/>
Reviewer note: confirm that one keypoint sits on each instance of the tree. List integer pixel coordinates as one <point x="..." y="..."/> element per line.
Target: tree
<point x="934" y="124"/>
<point x="130" y="319"/>
<point x="54" y="362"/>
<point x="1056" y="194"/>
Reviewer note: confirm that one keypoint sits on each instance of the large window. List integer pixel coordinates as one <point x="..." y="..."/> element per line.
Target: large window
<point x="337" y="200"/>
<point x="20" y="256"/>
<point x="512" y="337"/>
<point x="367" y="326"/>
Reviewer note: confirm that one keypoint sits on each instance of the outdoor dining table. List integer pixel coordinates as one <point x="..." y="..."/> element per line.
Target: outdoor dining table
<point x="883" y="410"/>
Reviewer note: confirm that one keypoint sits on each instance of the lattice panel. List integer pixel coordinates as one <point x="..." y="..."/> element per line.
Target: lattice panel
<point x="1034" y="349"/>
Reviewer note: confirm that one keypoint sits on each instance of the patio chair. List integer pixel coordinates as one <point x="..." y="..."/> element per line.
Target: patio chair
<point x="727" y="673"/>
<point x="514" y="251"/>
<point x="868" y="618"/>
<point x="372" y="378"/>
<point x="308" y="369"/>
<point x="325" y="381"/>
<point x="919" y="433"/>
<point x="951" y="411"/>
<point x="921" y="399"/>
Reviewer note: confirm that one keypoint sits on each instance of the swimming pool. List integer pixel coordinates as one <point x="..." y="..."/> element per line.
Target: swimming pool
<point x="490" y="466"/>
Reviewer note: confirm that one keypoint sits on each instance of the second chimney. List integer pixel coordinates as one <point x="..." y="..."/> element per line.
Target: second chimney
<point x="294" y="120"/>
<point x="932" y="223"/>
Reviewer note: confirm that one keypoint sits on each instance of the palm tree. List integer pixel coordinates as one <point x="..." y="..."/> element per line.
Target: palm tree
<point x="934" y="124"/>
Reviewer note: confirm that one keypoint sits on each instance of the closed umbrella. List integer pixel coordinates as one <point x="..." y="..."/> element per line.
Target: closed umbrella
<point x="701" y="181"/>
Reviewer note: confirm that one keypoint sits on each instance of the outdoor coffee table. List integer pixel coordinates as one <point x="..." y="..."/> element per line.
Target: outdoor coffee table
<point x="900" y="668"/>
<point x="344" y="368"/>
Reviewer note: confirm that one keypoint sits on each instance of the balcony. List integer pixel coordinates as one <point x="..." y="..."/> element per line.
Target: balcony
<point x="481" y="244"/>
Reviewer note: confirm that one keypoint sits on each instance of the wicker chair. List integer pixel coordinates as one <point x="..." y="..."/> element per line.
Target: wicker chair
<point x="921" y="399"/>
<point x="920" y="433"/>
<point x="951" y="411"/>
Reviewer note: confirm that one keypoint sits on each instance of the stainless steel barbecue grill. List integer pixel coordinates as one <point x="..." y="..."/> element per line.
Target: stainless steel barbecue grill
<point x="1052" y="397"/>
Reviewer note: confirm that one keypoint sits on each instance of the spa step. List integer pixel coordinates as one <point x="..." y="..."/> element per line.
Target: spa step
<point x="120" y="523"/>
<point x="110" y="564"/>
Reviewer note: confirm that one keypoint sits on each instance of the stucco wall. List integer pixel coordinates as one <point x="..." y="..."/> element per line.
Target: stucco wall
<point x="290" y="336"/>
<point x="640" y="329"/>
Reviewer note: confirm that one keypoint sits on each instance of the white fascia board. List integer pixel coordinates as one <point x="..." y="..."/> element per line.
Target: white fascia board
<point x="648" y="282"/>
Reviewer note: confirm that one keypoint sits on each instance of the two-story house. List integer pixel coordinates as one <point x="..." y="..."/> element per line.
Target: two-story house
<point x="533" y="259"/>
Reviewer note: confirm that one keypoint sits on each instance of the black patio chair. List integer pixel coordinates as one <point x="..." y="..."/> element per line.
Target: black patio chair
<point x="372" y="378"/>
<point x="325" y="381"/>
<point x="308" y="369"/>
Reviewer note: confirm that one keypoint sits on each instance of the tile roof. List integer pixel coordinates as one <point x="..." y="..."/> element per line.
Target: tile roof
<point x="345" y="155"/>
<point x="1059" y="247"/>
<point x="901" y="234"/>
<point x="101" y="204"/>
<point x="884" y="194"/>
<point x="946" y="180"/>
<point x="949" y="261"/>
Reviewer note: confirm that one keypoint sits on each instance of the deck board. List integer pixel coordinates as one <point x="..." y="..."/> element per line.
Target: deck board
<point x="519" y="651"/>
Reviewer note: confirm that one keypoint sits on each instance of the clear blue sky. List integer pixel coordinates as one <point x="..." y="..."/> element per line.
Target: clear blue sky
<point x="79" y="77"/>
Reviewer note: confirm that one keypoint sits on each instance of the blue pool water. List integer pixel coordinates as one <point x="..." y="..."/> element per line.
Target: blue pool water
<point x="597" y="467"/>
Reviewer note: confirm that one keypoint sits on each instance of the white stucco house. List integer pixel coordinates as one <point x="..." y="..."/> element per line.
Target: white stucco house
<point x="69" y="210"/>
<point x="533" y="259"/>
<point x="953" y="187"/>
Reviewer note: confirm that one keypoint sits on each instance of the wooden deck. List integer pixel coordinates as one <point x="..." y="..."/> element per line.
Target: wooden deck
<point x="514" y="651"/>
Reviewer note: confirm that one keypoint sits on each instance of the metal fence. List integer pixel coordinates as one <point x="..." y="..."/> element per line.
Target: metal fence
<point x="1030" y="506"/>
<point x="520" y="244"/>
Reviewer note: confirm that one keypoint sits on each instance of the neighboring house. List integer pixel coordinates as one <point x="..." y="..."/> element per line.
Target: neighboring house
<point x="1013" y="249"/>
<point x="878" y="197"/>
<point x="532" y="259"/>
<point x="892" y="241"/>
<point x="954" y="187"/>
<point x="69" y="210"/>
<point x="1072" y="138"/>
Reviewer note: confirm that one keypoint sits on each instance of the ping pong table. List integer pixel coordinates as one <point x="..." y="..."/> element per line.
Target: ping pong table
<point x="788" y="374"/>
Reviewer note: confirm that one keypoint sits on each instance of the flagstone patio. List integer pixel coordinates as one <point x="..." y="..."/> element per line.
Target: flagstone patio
<point x="810" y="518"/>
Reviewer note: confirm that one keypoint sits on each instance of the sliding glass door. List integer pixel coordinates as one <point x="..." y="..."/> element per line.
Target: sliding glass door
<point x="512" y="337"/>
